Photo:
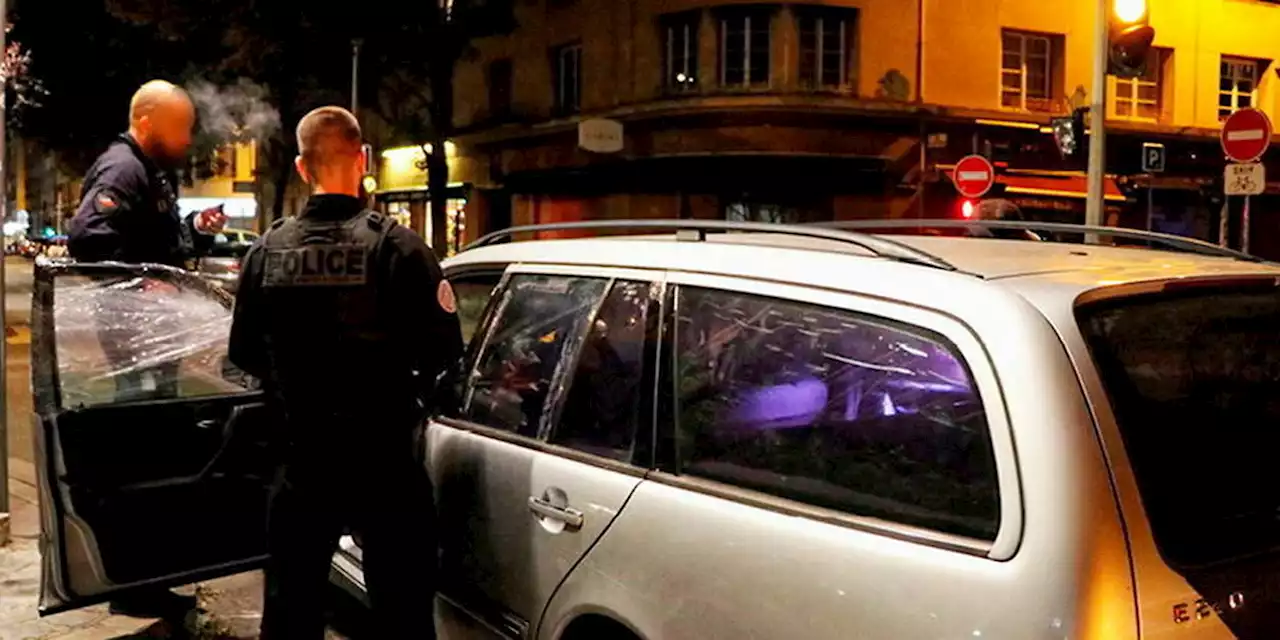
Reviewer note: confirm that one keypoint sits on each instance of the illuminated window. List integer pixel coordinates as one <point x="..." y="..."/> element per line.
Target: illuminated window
<point x="567" y="71"/>
<point x="1237" y="85"/>
<point x="1139" y="98"/>
<point x="680" y="62"/>
<point x="744" y="49"/>
<point x="824" y="47"/>
<point x="1026" y="71"/>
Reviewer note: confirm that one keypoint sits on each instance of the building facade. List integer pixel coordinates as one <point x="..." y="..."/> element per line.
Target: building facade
<point x="228" y="178"/>
<point x="832" y="109"/>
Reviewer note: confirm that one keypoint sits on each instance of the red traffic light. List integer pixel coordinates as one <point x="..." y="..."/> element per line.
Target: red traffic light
<point x="967" y="208"/>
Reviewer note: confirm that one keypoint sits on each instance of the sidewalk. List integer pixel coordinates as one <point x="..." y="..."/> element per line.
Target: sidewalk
<point x="20" y="580"/>
<point x="230" y="607"/>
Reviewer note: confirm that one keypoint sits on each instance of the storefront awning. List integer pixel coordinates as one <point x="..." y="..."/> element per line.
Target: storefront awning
<point x="1048" y="186"/>
<point x="1057" y="187"/>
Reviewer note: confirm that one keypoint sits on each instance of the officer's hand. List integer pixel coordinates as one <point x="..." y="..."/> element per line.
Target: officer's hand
<point x="153" y="286"/>
<point x="211" y="220"/>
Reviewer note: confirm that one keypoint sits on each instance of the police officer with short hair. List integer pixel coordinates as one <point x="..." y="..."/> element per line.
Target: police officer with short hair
<point x="350" y="323"/>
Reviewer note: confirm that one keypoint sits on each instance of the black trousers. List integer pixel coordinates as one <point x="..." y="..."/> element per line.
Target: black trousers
<point x="391" y="505"/>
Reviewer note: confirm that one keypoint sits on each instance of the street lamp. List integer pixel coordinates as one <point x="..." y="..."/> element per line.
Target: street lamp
<point x="1130" y="11"/>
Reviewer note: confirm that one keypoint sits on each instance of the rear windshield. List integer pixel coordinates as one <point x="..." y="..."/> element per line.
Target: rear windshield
<point x="1194" y="380"/>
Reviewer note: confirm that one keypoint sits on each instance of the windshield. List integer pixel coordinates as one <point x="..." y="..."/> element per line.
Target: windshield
<point x="1194" y="380"/>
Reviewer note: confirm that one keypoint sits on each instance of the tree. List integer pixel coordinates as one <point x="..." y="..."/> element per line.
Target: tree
<point x="417" y="60"/>
<point x="23" y="91"/>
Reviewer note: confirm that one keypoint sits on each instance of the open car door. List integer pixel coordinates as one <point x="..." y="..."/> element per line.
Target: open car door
<point x="152" y="450"/>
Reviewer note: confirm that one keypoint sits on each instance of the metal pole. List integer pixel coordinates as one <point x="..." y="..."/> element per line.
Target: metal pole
<point x="4" y="362"/>
<point x="1223" y="219"/>
<point x="1151" y="202"/>
<point x="924" y="162"/>
<point x="1244" y="224"/>
<point x="355" y="74"/>
<point x="1097" y="121"/>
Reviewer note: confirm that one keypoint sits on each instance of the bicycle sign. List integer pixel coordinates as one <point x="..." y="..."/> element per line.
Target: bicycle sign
<point x="1245" y="179"/>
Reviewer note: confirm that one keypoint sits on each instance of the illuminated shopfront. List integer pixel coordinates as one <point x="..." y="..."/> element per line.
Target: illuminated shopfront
<point x="402" y="194"/>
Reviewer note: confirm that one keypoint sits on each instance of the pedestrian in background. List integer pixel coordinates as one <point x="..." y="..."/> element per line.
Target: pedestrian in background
<point x="349" y="321"/>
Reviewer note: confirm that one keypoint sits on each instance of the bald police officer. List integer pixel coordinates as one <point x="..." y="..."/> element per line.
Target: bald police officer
<point x="129" y="213"/>
<point x="129" y="202"/>
<point x="348" y="320"/>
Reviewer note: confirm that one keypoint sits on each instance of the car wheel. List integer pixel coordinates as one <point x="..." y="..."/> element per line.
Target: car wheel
<point x="596" y="627"/>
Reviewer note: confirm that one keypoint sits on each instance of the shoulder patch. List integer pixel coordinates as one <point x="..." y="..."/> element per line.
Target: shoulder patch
<point x="444" y="296"/>
<point x="106" y="203"/>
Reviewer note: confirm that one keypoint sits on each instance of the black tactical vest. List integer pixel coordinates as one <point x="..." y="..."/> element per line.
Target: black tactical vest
<point x="328" y="333"/>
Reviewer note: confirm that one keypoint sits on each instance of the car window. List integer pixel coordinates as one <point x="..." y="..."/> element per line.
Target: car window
<point x="127" y="339"/>
<point x="472" y="293"/>
<point x="540" y="320"/>
<point x="602" y="409"/>
<point x="832" y="408"/>
<point x="1194" y="380"/>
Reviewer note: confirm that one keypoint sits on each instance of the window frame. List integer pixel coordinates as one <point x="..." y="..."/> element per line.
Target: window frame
<point x="848" y="19"/>
<point x="1023" y="95"/>
<point x="1236" y="63"/>
<point x="559" y="97"/>
<point x="691" y="23"/>
<point x="642" y="459"/>
<point x="1159" y="58"/>
<point x="966" y="346"/>
<point x="745" y="14"/>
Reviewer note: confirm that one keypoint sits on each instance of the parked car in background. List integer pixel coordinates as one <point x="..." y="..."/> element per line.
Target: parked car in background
<point x="222" y="264"/>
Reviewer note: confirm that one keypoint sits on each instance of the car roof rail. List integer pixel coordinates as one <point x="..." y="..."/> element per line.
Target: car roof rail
<point x="877" y="245"/>
<point x="1170" y="241"/>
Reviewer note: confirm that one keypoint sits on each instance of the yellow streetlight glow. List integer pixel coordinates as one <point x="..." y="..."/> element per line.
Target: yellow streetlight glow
<point x="1130" y="10"/>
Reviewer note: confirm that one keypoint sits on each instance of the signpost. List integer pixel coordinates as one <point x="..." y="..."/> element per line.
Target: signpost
<point x="1153" y="159"/>
<point x="973" y="176"/>
<point x="1245" y="137"/>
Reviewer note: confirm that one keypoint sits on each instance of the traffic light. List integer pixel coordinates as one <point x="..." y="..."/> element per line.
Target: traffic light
<point x="967" y="209"/>
<point x="1068" y="133"/>
<point x="1131" y="37"/>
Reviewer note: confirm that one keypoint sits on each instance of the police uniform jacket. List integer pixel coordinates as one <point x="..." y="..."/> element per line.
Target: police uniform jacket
<point x="129" y="212"/>
<point x="344" y="315"/>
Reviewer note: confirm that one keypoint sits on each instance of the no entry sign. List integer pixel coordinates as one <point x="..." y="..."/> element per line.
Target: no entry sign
<point x="973" y="176"/>
<point x="1246" y="135"/>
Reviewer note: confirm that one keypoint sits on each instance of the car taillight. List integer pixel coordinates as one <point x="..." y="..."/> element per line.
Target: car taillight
<point x="234" y="267"/>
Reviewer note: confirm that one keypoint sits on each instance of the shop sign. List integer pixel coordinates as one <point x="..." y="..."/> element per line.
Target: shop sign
<point x="600" y="135"/>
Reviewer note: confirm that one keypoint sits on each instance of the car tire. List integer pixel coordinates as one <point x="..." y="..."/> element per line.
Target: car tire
<point x="597" y="627"/>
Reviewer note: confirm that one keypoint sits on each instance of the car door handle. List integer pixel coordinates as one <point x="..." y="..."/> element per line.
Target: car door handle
<point x="572" y="518"/>
<point x="209" y="424"/>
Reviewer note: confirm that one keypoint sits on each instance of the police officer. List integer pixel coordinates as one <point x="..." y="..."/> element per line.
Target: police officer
<point x="129" y="213"/>
<point x="129" y="202"/>
<point x="348" y="320"/>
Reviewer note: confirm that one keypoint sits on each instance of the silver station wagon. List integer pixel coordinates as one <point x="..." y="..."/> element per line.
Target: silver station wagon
<point x="780" y="432"/>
